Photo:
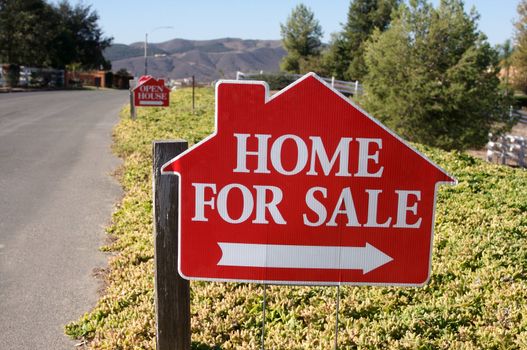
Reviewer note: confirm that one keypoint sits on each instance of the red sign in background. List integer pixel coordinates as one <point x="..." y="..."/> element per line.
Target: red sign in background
<point x="303" y="188"/>
<point x="151" y="92"/>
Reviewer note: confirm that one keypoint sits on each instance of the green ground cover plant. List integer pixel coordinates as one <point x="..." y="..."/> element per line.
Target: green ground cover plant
<point x="476" y="298"/>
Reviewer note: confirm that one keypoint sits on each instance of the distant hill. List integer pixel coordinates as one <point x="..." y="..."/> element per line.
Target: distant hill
<point x="207" y="60"/>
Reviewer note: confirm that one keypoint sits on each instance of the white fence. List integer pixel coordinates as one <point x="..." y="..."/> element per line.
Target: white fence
<point x="508" y="149"/>
<point x="36" y="76"/>
<point x="346" y="87"/>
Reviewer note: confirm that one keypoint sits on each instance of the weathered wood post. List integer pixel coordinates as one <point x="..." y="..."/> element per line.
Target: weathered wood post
<point x="133" y="114"/>
<point x="193" y="94"/>
<point x="172" y="293"/>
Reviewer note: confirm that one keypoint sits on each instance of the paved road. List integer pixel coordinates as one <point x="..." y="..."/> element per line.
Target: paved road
<point x="56" y="196"/>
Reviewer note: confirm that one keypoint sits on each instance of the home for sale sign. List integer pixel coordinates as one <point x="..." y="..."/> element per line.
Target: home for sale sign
<point x="303" y="188"/>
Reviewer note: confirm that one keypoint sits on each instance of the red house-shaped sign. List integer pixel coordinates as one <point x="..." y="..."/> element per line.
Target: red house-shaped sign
<point x="303" y="188"/>
<point x="151" y="92"/>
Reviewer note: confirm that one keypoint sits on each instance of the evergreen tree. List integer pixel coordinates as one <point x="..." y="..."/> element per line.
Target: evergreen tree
<point x="26" y="32"/>
<point x="345" y="57"/>
<point x="505" y="56"/>
<point x="79" y="39"/>
<point x="363" y="17"/>
<point x="432" y="77"/>
<point x="35" y="33"/>
<point x="519" y="58"/>
<point x="301" y="36"/>
<point x="336" y="58"/>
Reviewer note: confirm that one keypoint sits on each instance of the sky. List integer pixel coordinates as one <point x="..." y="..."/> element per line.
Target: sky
<point x="128" y="21"/>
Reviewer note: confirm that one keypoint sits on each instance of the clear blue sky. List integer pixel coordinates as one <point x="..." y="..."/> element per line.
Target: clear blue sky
<point x="128" y="21"/>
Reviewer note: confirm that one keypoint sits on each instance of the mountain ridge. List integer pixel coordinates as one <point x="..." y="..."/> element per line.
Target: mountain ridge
<point x="207" y="60"/>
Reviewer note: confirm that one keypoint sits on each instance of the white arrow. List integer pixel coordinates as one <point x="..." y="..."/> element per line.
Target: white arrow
<point x="365" y="258"/>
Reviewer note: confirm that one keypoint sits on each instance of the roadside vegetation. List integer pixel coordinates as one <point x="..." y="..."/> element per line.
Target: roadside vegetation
<point x="475" y="298"/>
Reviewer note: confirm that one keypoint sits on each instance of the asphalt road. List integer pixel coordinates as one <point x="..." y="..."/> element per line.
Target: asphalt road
<point x="56" y="197"/>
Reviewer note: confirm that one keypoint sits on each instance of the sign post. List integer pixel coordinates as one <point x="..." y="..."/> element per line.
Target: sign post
<point x="133" y="84"/>
<point x="172" y="293"/>
<point x="133" y="114"/>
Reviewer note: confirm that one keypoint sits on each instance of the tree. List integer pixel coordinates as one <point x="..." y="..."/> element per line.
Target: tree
<point x="301" y="36"/>
<point x="346" y="53"/>
<point x="336" y="58"/>
<point x="26" y="29"/>
<point x="432" y="77"/>
<point x="364" y="16"/>
<point x="34" y="33"/>
<point x="519" y="58"/>
<point x="505" y="58"/>
<point x="79" y="39"/>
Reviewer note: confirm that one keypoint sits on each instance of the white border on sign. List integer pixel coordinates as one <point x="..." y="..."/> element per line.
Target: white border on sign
<point x="268" y="98"/>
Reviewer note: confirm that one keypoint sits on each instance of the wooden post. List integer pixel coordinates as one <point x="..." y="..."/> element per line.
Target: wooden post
<point x="132" y="106"/>
<point x="193" y="93"/>
<point x="172" y="293"/>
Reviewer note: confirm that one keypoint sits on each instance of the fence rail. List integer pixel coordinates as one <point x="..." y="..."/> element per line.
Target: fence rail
<point x="353" y="88"/>
<point x="519" y="114"/>
<point x="32" y="76"/>
<point x="508" y="149"/>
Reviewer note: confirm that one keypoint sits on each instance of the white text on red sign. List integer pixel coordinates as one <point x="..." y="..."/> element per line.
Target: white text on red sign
<point x="261" y="202"/>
